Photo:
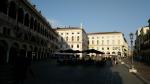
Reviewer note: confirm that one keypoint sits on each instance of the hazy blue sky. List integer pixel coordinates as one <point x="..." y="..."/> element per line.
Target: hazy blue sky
<point x="97" y="15"/>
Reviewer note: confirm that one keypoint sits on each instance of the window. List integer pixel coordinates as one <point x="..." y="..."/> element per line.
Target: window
<point x="78" y="33"/>
<point x="113" y="42"/>
<point x="72" y="38"/>
<point x="78" y="38"/>
<point x="31" y="22"/>
<point x="72" y="33"/>
<point x="67" y="38"/>
<point x="107" y="48"/>
<point x="97" y="42"/>
<point x="92" y="37"/>
<point x="92" y="41"/>
<point x="61" y="33"/>
<point x="77" y="45"/>
<point x="107" y="42"/>
<point x="71" y="46"/>
<point x="26" y="20"/>
<point x="102" y="48"/>
<point x="67" y="33"/>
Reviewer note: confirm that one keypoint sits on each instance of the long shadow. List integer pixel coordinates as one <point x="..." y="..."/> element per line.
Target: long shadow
<point x="78" y="74"/>
<point x="85" y="74"/>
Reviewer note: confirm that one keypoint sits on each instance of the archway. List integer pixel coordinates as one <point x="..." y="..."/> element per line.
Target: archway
<point x="29" y="53"/>
<point x="14" y="52"/>
<point x="3" y="51"/>
<point x="113" y="53"/>
<point x="23" y="51"/>
<point x="34" y="54"/>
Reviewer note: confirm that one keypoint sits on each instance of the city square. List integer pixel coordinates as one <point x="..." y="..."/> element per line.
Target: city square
<point x="74" y="42"/>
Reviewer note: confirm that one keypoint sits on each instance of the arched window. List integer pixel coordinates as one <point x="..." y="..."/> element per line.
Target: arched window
<point x="113" y="53"/>
<point x="38" y="27"/>
<point x="20" y="15"/>
<point x="35" y="25"/>
<point x="26" y="22"/>
<point x="12" y="10"/>
<point x="31" y="22"/>
<point x="3" y="5"/>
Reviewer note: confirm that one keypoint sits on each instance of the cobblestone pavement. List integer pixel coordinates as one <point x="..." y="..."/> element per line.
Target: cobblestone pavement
<point x="51" y="73"/>
<point x="142" y="68"/>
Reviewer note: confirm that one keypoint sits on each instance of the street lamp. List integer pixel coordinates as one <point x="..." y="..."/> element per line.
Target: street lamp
<point x="132" y="69"/>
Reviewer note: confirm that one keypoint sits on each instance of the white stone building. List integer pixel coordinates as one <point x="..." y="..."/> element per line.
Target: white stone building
<point x="73" y="38"/>
<point x="111" y="43"/>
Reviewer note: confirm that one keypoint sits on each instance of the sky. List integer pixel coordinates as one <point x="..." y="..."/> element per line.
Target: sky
<point x="97" y="15"/>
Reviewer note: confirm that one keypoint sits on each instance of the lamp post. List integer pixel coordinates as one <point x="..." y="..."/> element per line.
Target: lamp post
<point x="132" y="69"/>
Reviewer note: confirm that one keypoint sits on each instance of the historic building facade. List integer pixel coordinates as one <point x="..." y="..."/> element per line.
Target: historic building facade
<point x="111" y="43"/>
<point x="24" y="29"/>
<point x="142" y="43"/>
<point x="73" y="38"/>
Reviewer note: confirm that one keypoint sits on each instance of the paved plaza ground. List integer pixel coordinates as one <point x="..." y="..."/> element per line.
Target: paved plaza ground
<point x="52" y="73"/>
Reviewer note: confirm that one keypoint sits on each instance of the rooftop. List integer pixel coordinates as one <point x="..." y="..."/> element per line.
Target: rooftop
<point x="104" y="33"/>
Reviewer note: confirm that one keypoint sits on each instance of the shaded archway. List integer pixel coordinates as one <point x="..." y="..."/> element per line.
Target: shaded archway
<point x="34" y="54"/>
<point x="23" y="51"/>
<point x="3" y="51"/>
<point x="113" y="53"/>
<point x="14" y="51"/>
<point x="35" y="25"/>
<point x="29" y="52"/>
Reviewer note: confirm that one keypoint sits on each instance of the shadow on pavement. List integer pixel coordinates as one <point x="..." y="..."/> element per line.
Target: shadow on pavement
<point x="51" y="73"/>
